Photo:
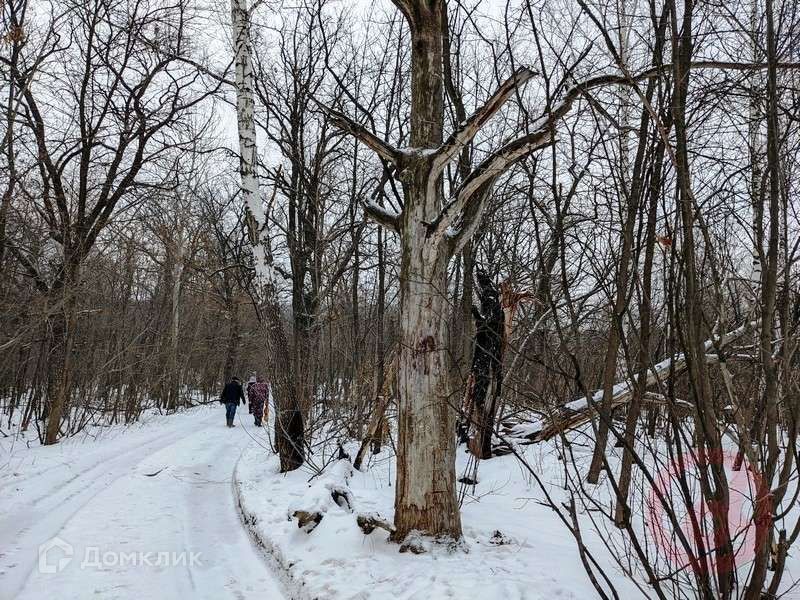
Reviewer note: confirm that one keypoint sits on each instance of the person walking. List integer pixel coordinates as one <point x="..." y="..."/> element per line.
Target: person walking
<point x="258" y="395"/>
<point x="230" y="397"/>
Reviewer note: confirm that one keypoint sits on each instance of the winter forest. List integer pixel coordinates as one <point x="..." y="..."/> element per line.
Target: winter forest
<point x="506" y="293"/>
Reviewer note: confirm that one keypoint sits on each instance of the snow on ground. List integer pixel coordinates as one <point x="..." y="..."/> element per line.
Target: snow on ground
<point x="171" y="507"/>
<point x="145" y="511"/>
<point x="515" y="547"/>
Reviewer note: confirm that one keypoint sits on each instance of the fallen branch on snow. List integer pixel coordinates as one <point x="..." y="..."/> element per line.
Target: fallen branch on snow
<point x="370" y="522"/>
<point x="330" y="488"/>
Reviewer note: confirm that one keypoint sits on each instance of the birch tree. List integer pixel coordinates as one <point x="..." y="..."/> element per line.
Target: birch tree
<point x="289" y="430"/>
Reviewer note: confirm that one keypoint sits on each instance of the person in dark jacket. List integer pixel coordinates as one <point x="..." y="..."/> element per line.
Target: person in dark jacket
<point x="230" y="397"/>
<point x="257" y="395"/>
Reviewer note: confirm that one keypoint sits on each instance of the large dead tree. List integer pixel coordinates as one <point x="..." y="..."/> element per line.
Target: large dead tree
<point x="432" y="231"/>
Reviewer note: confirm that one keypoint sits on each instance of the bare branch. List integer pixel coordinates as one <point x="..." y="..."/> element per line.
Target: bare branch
<point x="504" y="158"/>
<point x="383" y="216"/>
<point x="469" y="129"/>
<point x="407" y="8"/>
<point x="482" y="177"/>
<point x="363" y="135"/>
<point x="30" y="268"/>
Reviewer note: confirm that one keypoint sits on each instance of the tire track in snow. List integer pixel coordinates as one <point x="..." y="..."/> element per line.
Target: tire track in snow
<point x="112" y="506"/>
<point x="31" y="522"/>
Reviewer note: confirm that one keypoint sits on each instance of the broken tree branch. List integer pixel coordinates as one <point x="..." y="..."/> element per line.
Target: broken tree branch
<point x="469" y="129"/>
<point x="383" y="216"/>
<point x="363" y="135"/>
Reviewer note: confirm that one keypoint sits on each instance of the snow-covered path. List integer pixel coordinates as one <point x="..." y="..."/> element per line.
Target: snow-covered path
<point x="149" y="513"/>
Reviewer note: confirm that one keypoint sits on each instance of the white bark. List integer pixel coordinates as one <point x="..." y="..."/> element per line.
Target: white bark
<point x="248" y="145"/>
<point x="757" y="143"/>
<point x="625" y="92"/>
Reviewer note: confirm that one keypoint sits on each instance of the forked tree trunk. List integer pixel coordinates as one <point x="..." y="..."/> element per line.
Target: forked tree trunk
<point x="425" y="498"/>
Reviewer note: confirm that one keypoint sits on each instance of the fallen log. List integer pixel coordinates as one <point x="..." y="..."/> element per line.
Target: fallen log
<point x="307" y="520"/>
<point x="581" y="410"/>
<point x="331" y="488"/>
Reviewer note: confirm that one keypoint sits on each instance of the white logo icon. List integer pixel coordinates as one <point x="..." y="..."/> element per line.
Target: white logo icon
<point x="48" y="553"/>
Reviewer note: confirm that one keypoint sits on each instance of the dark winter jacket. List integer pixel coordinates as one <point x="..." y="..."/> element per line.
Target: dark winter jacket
<point x="232" y="393"/>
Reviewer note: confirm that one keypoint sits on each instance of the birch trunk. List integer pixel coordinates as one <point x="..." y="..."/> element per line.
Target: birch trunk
<point x="248" y="145"/>
<point x="289" y="426"/>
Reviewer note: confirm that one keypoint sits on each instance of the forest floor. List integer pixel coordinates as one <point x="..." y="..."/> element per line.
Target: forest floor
<point x="179" y="506"/>
<point x="515" y="547"/>
<point x="145" y="511"/>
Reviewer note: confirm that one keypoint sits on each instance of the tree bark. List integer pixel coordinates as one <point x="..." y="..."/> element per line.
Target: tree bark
<point x="486" y="376"/>
<point x="425" y="497"/>
<point x="173" y="370"/>
<point x="289" y="426"/>
<point x="61" y="336"/>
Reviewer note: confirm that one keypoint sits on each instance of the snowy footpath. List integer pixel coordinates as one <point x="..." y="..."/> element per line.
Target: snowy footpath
<point x="147" y="511"/>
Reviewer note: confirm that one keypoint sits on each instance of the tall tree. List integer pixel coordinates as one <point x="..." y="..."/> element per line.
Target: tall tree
<point x="289" y="429"/>
<point x="433" y="229"/>
<point x="90" y="165"/>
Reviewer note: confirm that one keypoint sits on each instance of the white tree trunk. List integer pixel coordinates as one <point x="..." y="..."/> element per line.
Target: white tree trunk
<point x="248" y="146"/>
<point x="289" y="428"/>
<point x="425" y="498"/>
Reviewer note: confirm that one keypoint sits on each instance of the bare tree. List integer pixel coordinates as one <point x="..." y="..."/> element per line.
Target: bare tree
<point x="88" y="169"/>
<point x="289" y="428"/>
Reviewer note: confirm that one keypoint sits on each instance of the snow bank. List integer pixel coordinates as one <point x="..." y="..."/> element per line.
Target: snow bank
<point x="515" y="547"/>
